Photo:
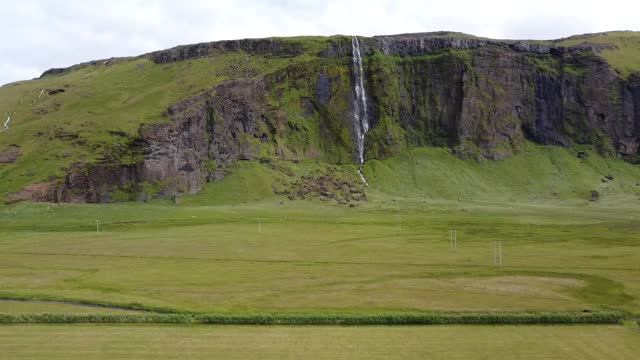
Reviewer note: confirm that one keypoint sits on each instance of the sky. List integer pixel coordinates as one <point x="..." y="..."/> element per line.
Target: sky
<point x="40" y="34"/>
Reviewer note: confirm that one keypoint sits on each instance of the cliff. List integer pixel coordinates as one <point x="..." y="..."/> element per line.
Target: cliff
<point x="292" y="99"/>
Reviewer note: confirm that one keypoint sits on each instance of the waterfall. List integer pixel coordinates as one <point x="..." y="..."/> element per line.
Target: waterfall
<point x="360" y="118"/>
<point x="6" y="123"/>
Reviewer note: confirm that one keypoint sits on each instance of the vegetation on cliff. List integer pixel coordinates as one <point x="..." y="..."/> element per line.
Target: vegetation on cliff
<point x="168" y="122"/>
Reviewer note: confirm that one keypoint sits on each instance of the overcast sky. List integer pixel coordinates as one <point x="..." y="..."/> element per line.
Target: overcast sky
<point x="39" y="34"/>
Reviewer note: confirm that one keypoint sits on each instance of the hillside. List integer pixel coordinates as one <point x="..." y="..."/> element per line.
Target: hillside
<point x="448" y="115"/>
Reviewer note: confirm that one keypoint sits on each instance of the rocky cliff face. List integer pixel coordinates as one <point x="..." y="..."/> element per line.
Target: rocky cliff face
<point x="485" y="101"/>
<point x="482" y="98"/>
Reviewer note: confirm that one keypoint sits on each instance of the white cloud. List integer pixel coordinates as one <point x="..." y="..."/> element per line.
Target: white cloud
<point x="38" y="35"/>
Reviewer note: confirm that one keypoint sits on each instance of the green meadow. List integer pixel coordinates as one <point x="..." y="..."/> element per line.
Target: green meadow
<point x="290" y="342"/>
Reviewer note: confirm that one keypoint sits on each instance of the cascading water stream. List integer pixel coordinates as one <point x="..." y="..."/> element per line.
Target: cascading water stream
<point x="360" y="117"/>
<point x="6" y="123"/>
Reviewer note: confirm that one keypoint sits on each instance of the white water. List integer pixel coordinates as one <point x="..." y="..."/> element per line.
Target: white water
<point x="6" y="123"/>
<point x="360" y="117"/>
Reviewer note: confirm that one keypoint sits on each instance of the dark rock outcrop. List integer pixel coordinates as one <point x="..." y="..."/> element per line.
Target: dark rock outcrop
<point x="269" y="46"/>
<point x="488" y="100"/>
<point x="10" y="154"/>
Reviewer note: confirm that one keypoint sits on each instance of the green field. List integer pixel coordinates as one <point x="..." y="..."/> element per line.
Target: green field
<point x="49" y="307"/>
<point x="389" y="254"/>
<point x="283" y="342"/>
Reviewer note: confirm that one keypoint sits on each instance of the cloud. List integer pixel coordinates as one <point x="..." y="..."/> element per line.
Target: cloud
<point x="38" y="35"/>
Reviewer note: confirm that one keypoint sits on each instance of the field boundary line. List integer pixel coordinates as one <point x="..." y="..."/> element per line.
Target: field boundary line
<point x="347" y="319"/>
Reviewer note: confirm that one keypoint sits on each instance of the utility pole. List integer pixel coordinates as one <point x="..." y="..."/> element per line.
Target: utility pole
<point x="259" y="226"/>
<point x="97" y="226"/>
<point x="453" y="239"/>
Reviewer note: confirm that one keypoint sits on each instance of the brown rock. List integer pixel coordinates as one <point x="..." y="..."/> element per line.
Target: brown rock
<point x="9" y="154"/>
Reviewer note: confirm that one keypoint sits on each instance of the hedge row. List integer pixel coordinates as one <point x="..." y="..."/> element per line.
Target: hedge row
<point x="604" y="317"/>
<point x="414" y="318"/>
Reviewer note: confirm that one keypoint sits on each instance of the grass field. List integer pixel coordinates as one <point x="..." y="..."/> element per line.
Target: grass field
<point x="391" y="254"/>
<point x="284" y="342"/>
<point x="40" y="307"/>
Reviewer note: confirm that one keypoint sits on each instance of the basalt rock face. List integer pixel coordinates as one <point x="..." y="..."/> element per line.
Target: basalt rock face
<point x="177" y="153"/>
<point x="206" y="133"/>
<point x="429" y="43"/>
<point x="482" y="98"/>
<point x="274" y="47"/>
<point x="484" y="102"/>
<point x="629" y="145"/>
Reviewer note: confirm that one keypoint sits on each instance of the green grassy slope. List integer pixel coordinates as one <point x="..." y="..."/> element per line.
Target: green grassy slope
<point x="538" y="173"/>
<point x="103" y="107"/>
<point x="624" y="56"/>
